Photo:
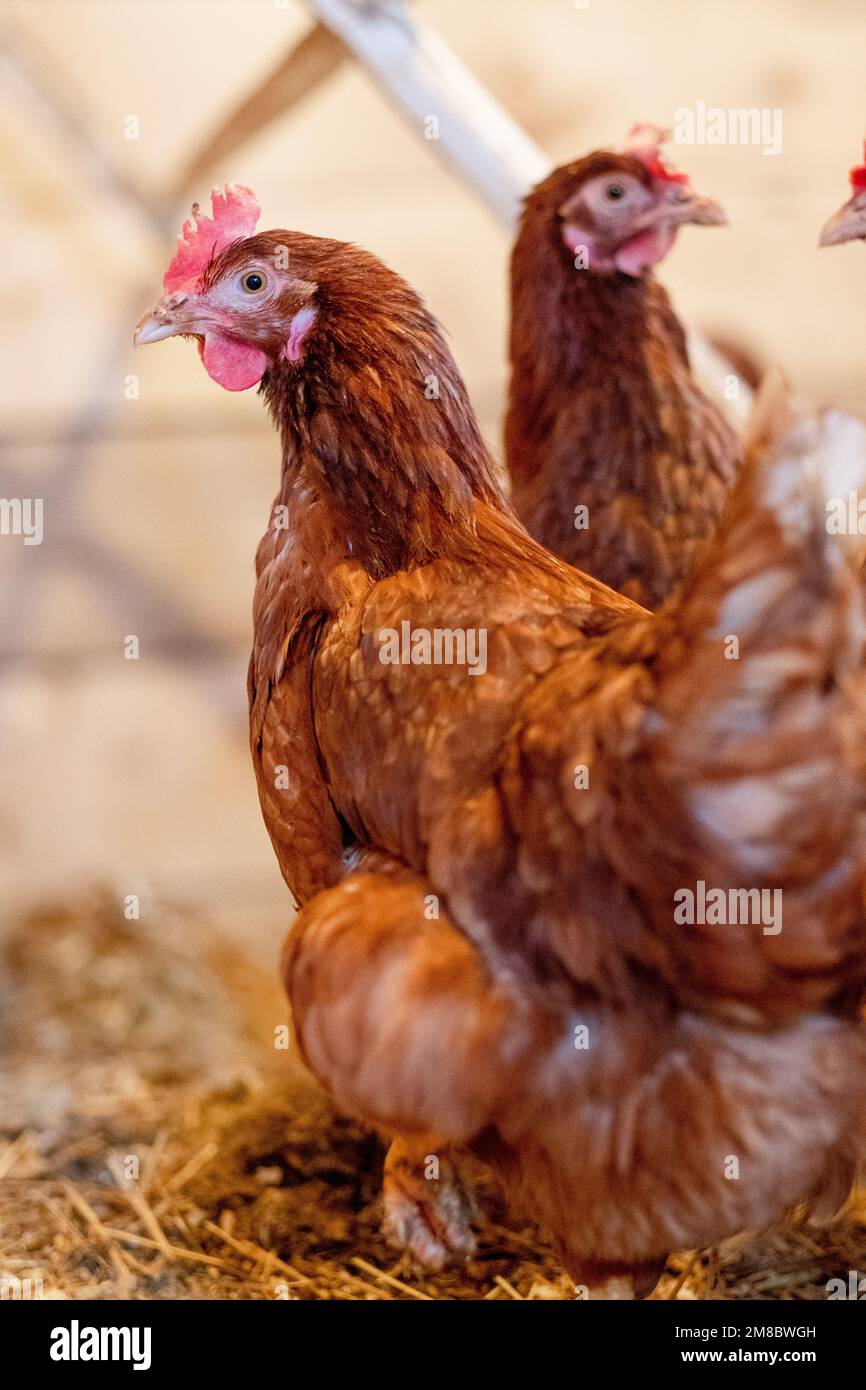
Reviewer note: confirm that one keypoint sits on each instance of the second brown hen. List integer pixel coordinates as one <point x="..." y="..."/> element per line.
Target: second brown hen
<point x="619" y="462"/>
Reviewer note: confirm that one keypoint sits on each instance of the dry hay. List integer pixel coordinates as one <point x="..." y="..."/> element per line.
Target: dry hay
<point x="122" y="1041"/>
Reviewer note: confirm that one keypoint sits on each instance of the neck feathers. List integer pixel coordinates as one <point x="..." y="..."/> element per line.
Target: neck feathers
<point x="568" y="322"/>
<point x="586" y="344"/>
<point x="376" y="425"/>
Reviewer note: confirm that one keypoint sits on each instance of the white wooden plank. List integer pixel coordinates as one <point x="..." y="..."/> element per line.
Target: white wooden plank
<point x="423" y="78"/>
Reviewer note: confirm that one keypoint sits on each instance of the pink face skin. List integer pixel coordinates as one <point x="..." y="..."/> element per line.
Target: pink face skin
<point x="234" y="291"/>
<point x="246" y="319"/>
<point x="628" y="224"/>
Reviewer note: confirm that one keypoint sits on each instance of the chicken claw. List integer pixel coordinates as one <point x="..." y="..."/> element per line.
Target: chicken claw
<point x="429" y="1217"/>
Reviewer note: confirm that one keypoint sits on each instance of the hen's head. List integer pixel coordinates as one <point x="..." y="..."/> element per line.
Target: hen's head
<point x="247" y="298"/>
<point x="849" y="223"/>
<point x="624" y="207"/>
<point x="345" y="351"/>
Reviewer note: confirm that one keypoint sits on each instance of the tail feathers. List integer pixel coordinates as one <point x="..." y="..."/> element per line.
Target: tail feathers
<point x="836" y="443"/>
<point x="791" y="521"/>
<point x="752" y="755"/>
<point x="810" y="459"/>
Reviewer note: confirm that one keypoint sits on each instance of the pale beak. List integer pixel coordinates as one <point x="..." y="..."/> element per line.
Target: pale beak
<point x="690" y="206"/>
<point x="151" y="329"/>
<point x="175" y="313"/>
<point x="848" y="224"/>
<point x="678" y="204"/>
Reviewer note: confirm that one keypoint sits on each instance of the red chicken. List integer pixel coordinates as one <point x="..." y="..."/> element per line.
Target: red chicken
<point x="619" y="463"/>
<point x="495" y="785"/>
<point x="849" y="223"/>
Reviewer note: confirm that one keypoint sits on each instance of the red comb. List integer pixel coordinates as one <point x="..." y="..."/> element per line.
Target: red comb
<point x="235" y="214"/>
<point x="858" y="175"/>
<point x="644" y="141"/>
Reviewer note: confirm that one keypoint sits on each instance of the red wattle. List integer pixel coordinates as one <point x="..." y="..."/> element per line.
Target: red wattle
<point x="235" y="365"/>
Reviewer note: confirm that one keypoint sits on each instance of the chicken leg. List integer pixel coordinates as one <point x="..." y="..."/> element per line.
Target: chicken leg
<point x="428" y="1211"/>
<point x="397" y="1017"/>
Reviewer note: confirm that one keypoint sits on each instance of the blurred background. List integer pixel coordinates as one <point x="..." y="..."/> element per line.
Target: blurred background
<point x="142" y="1039"/>
<point x="136" y="772"/>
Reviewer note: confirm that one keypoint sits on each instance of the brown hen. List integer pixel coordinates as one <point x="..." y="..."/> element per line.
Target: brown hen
<point x="619" y="463"/>
<point x="490" y="849"/>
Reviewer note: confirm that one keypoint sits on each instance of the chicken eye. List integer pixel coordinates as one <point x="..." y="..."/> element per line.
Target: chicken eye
<point x="253" y="282"/>
<point x="614" y="192"/>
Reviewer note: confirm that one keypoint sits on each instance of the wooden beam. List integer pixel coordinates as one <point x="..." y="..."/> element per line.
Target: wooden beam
<point x="423" y="78"/>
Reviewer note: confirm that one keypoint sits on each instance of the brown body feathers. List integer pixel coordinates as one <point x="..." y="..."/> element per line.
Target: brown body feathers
<point x="487" y="852"/>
